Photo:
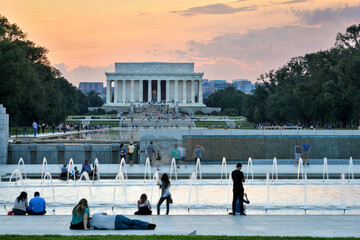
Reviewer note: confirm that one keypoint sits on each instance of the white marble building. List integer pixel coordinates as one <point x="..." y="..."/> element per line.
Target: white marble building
<point x="156" y="82"/>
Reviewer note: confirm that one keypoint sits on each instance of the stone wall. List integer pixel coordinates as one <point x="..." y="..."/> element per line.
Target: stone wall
<point x="4" y="134"/>
<point x="154" y="67"/>
<point x="60" y="153"/>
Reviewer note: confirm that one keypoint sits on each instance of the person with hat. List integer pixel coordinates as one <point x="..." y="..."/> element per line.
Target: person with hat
<point x="198" y="152"/>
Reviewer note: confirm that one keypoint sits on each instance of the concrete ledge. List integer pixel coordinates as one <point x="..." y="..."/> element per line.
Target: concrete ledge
<point x="259" y="225"/>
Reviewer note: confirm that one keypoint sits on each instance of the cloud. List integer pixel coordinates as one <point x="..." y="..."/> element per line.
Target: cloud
<point x="218" y="8"/>
<point x="321" y="16"/>
<point x="85" y="73"/>
<point x="294" y="2"/>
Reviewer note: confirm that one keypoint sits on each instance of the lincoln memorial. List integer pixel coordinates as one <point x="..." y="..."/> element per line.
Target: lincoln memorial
<point x="164" y="83"/>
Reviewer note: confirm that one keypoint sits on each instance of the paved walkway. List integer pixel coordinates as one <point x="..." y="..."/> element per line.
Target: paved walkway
<point x="208" y="170"/>
<point x="265" y="225"/>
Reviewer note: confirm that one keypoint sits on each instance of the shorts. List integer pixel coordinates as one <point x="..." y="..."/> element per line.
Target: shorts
<point x="306" y="155"/>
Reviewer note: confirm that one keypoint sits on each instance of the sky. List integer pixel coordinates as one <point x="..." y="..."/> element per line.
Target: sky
<point x="225" y="39"/>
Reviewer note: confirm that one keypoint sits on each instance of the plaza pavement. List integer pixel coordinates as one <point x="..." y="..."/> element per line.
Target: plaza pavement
<point x="259" y="225"/>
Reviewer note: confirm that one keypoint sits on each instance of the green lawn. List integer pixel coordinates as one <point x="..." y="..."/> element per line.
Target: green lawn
<point x="209" y="123"/>
<point x="151" y="237"/>
<point x="244" y="124"/>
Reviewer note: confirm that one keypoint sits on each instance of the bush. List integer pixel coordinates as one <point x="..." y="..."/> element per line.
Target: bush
<point x="231" y="112"/>
<point x="215" y="113"/>
<point x="112" y="112"/>
<point x="184" y="113"/>
<point x="199" y="113"/>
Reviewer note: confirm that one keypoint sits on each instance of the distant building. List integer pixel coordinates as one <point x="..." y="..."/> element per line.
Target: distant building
<point x="86" y="87"/>
<point x="221" y="84"/>
<point x="208" y="87"/>
<point x="243" y="85"/>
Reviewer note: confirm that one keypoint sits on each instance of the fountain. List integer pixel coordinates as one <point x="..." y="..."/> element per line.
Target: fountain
<point x="147" y="169"/>
<point x="230" y="182"/>
<point x="18" y="174"/>
<point x="247" y="171"/>
<point x="122" y="162"/>
<point x="223" y="169"/>
<point x="87" y="178"/>
<point x="21" y="160"/>
<point x="300" y="168"/>
<point x="305" y="194"/>
<point x="48" y="176"/>
<point x="119" y="178"/>
<point x="96" y="170"/>
<point x="325" y="170"/>
<point x="173" y="168"/>
<point x="155" y="181"/>
<point x="343" y="205"/>
<point x="42" y="169"/>
<point x="268" y="192"/>
<point x="193" y="179"/>
<point x="274" y="169"/>
<point x="351" y="169"/>
<point x="198" y="167"/>
<point x="69" y="168"/>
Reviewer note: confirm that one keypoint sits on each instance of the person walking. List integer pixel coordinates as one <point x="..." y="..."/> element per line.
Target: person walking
<point x="37" y="205"/>
<point x="165" y="193"/>
<point x="298" y="153"/>
<point x="198" y="152"/>
<point x="238" y="189"/>
<point x="306" y="151"/>
<point x="122" y="152"/>
<point x="175" y="153"/>
<point x="80" y="216"/>
<point x="35" y="125"/>
<point x="150" y="152"/>
<point x="53" y="128"/>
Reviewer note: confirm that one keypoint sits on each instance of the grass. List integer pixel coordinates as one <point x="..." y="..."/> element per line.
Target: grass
<point x="244" y="124"/>
<point x="152" y="237"/>
<point x="209" y="123"/>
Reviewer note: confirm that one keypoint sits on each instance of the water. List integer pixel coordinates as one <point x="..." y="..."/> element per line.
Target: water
<point x="285" y="197"/>
<point x="249" y="166"/>
<point x="21" y="161"/>
<point x="300" y="169"/>
<point x="123" y="163"/>
<point x="44" y="167"/>
<point x="223" y="169"/>
<point x="173" y="168"/>
<point x="274" y="169"/>
<point x="325" y="170"/>
<point x="96" y="174"/>
<point x="351" y="169"/>
<point x="193" y="181"/>
<point x="70" y="170"/>
<point x="147" y="169"/>
<point x="198" y="168"/>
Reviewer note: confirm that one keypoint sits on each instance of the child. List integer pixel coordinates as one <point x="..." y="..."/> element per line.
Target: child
<point x="76" y="172"/>
<point x="144" y="207"/>
<point x="246" y="200"/>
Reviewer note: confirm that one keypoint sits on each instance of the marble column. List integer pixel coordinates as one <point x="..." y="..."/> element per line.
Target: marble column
<point x="192" y="91"/>
<point x="141" y="99"/>
<point x="123" y="91"/>
<point x="167" y="90"/>
<point x="115" y="91"/>
<point x="108" y="91"/>
<point x="200" y="92"/>
<point x="132" y="91"/>
<point x="158" y="91"/>
<point x="184" y="91"/>
<point x="149" y="91"/>
<point x="176" y="95"/>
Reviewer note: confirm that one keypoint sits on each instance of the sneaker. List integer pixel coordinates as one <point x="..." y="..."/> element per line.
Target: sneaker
<point x="151" y="226"/>
<point x="232" y="213"/>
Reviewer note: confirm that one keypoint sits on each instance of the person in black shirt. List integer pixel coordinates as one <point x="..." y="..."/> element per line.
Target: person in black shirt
<point x="238" y="189"/>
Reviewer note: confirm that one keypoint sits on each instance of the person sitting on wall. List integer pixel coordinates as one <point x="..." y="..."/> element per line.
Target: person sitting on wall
<point x="76" y="172"/>
<point x="86" y="167"/>
<point x="94" y="173"/>
<point x="63" y="172"/>
<point x="37" y="205"/>
<point x="21" y="204"/>
<point x="144" y="206"/>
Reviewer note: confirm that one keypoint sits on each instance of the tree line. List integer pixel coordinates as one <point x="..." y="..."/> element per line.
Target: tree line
<point x="31" y="89"/>
<point x="321" y="88"/>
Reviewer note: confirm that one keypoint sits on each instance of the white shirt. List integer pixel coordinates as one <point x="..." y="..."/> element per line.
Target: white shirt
<point x="103" y="221"/>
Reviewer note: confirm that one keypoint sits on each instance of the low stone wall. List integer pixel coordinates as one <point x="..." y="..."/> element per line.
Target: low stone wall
<point x="61" y="153"/>
<point x="238" y="145"/>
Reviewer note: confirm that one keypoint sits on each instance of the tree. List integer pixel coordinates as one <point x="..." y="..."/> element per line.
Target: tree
<point x="94" y="100"/>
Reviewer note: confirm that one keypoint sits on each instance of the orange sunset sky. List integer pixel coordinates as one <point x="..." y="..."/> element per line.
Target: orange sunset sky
<point x="225" y="39"/>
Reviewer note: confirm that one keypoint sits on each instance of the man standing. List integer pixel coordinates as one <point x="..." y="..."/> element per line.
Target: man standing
<point x="238" y="189"/>
<point x="306" y="151"/>
<point x="150" y="152"/>
<point x="198" y="152"/>
<point x="35" y="128"/>
<point x="37" y="205"/>
<point x="175" y="153"/>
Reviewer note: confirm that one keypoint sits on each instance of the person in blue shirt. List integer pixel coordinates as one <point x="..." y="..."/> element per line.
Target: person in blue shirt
<point x="86" y="167"/>
<point x="306" y="151"/>
<point x="37" y="205"/>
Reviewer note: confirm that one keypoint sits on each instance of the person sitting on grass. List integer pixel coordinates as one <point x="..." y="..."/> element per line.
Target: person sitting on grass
<point x="144" y="207"/>
<point x="80" y="216"/>
<point x="102" y="221"/>
<point x="37" y="205"/>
